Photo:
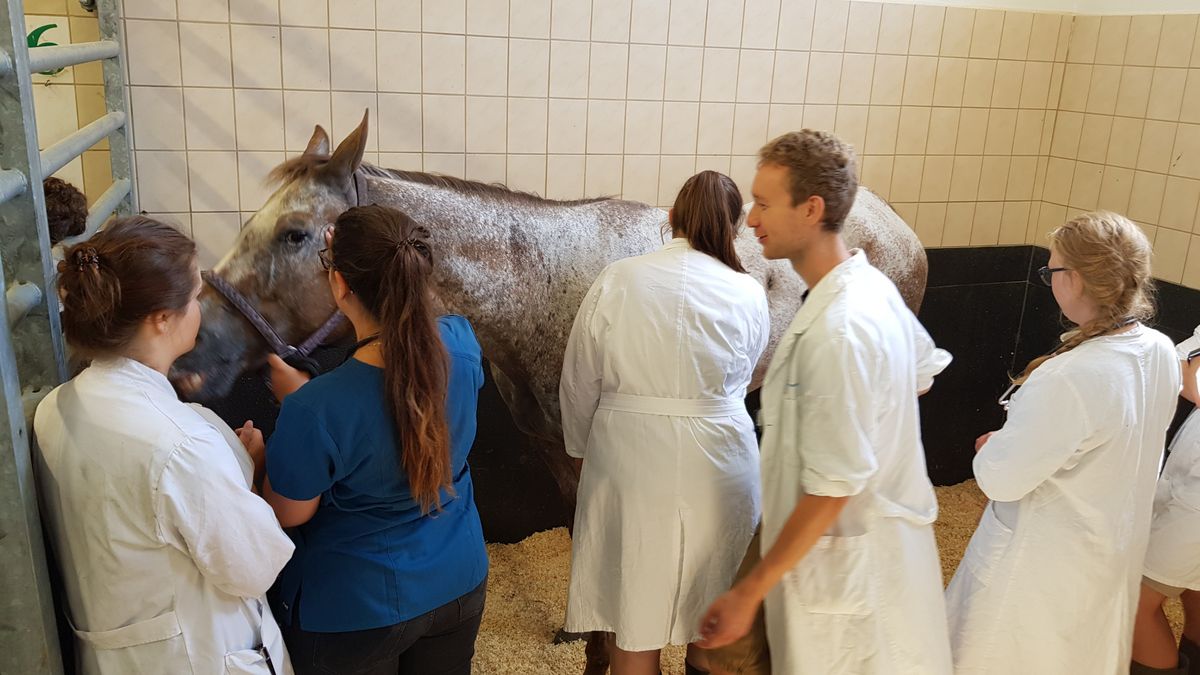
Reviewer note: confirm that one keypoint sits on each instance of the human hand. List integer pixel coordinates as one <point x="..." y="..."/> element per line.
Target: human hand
<point x="284" y="379"/>
<point x="252" y="440"/>
<point x="982" y="440"/>
<point x="730" y="618"/>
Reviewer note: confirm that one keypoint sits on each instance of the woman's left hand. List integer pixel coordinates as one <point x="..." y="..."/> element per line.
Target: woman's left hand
<point x="284" y="379"/>
<point x="252" y="440"/>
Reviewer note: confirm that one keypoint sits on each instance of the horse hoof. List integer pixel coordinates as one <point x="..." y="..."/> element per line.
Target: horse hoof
<point x="563" y="637"/>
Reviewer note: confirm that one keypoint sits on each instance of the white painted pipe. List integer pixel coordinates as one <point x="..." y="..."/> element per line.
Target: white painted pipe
<point x="42" y="59"/>
<point x="58" y="155"/>
<point x="21" y="297"/>
<point x="12" y="183"/>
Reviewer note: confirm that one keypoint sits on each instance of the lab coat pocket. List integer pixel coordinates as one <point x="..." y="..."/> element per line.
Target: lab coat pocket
<point x="834" y="578"/>
<point x="247" y="662"/>
<point x="141" y="646"/>
<point x="987" y="547"/>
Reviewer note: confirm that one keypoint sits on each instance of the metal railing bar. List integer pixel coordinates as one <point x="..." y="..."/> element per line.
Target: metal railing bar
<point x="20" y="298"/>
<point x="42" y="59"/>
<point x="101" y="210"/>
<point x="12" y="183"/>
<point x="61" y="153"/>
<point x="6" y="64"/>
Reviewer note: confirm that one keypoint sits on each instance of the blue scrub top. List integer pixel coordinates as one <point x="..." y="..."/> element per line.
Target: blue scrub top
<point x="368" y="558"/>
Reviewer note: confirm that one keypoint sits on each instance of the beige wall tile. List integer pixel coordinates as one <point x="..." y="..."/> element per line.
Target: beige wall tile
<point x="862" y="27"/>
<point x="979" y="82"/>
<point x="972" y="130"/>
<point x="927" y="30"/>
<point x="943" y="131"/>
<point x="1085" y="186"/>
<point x="956" y="31"/>
<point x="883" y="123"/>
<point x="959" y="219"/>
<point x="1002" y="129"/>
<point x="1077" y="78"/>
<point x="986" y="33"/>
<point x="1112" y="40"/>
<point x="1166" y="94"/>
<point x="1059" y="174"/>
<point x="1021" y="175"/>
<point x="1133" y="94"/>
<point x="985" y="228"/>
<point x="1014" y="221"/>
<point x="1170" y="254"/>
<point x="877" y="174"/>
<point x="1157" y="140"/>
<point x="919" y="80"/>
<point x="1186" y="154"/>
<point x="964" y="180"/>
<point x="1144" y="33"/>
<point x="1179" y="203"/>
<point x="1029" y="132"/>
<point x="1093" y="140"/>
<point x="993" y="178"/>
<point x="1068" y="128"/>
<point x="1007" y="92"/>
<point x="1191" y="270"/>
<point x="1084" y="35"/>
<point x="913" y="132"/>
<point x="1124" y="142"/>
<point x="1175" y="44"/>
<point x="1043" y="39"/>
<point x="906" y="178"/>
<point x="1115" y="189"/>
<point x="1145" y="202"/>
<point x="949" y="82"/>
<point x="1191" y="98"/>
<point x="895" y="28"/>
<point x="97" y="174"/>
<point x="1102" y="93"/>
<point x="1015" y="36"/>
<point x="930" y="222"/>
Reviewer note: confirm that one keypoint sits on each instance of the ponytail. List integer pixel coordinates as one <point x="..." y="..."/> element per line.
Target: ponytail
<point x="706" y="212"/>
<point x="387" y="261"/>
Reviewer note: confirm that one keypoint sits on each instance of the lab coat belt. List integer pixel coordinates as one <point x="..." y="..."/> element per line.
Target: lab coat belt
<point x="674" y="407"/>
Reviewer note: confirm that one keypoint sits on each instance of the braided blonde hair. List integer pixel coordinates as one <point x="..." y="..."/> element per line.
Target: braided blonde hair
<point x="1112" y="257"/>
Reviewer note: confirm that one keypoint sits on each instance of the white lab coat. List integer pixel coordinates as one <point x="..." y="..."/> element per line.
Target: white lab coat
<point x="1050" y="579"/>
<point x="656" y="370"/>
<point x="839" y="415"/>
<point x="1173" y="554"/>
<point x="165" y="552"/>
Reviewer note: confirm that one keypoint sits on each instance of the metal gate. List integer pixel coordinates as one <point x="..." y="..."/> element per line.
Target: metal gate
<point x="32" y="353"/>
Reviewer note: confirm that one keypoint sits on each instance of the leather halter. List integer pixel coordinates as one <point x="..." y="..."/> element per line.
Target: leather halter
<point x="242" y="304"/>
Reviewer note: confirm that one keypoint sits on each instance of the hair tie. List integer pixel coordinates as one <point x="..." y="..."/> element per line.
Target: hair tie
<point x="86" y="256"/>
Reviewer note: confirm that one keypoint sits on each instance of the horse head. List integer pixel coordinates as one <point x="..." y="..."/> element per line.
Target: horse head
<point x="274" y="267"/>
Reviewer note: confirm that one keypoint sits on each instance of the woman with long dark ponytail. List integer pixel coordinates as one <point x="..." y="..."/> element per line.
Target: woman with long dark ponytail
<point x="369" y="462"/>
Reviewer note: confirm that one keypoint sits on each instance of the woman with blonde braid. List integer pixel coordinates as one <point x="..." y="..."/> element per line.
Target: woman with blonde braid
<point x="1049" y="582"/>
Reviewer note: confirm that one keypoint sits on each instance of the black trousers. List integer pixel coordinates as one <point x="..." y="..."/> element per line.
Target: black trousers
<point x="440" y="642"/>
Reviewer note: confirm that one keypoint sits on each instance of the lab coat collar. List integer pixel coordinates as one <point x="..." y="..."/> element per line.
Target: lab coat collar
<point x="827" y="289"/>
<point x="676" y="243"/>
<point x="137" y="372"/>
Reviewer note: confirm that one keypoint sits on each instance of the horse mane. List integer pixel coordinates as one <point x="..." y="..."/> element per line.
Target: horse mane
<point x="307" y="166"/>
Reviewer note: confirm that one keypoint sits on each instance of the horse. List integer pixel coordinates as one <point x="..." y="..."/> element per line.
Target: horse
<point x="515" y="264"/>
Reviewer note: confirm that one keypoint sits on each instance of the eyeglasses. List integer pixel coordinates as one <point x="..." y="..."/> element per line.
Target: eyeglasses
<point x="1046" y="274"/>
<point x="326" y="258"/>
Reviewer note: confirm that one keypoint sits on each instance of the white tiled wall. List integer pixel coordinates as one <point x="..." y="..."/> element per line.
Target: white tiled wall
<point x="567" y="98"/>
<point x="1127" y="134"/>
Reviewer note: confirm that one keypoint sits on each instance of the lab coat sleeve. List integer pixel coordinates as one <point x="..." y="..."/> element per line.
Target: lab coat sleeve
<point x="579" y="388"/>
<point x="931" y="361"/>
<point x="834" y="407"/>
<point x="202" y="506"/>
<point x="764" y="327"/>
<point x="1047" y="424"/>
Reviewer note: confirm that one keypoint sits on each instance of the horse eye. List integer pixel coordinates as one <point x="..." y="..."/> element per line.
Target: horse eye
<point x="295" y="236"/>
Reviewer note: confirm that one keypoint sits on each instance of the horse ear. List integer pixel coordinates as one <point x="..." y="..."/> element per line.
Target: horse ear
<point x="348" y="156"/>
<point x="319" y="143"/>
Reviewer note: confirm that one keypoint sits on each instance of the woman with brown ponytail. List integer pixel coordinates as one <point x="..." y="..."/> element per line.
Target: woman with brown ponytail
<point x="369" y="463"/>
<point x="656" y="370"/>
<point x="1049" y="582"/>
<point x="165" y="551"/>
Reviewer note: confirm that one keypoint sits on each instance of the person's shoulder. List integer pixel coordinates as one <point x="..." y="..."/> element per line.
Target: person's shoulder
<point x="459" y="336"/>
